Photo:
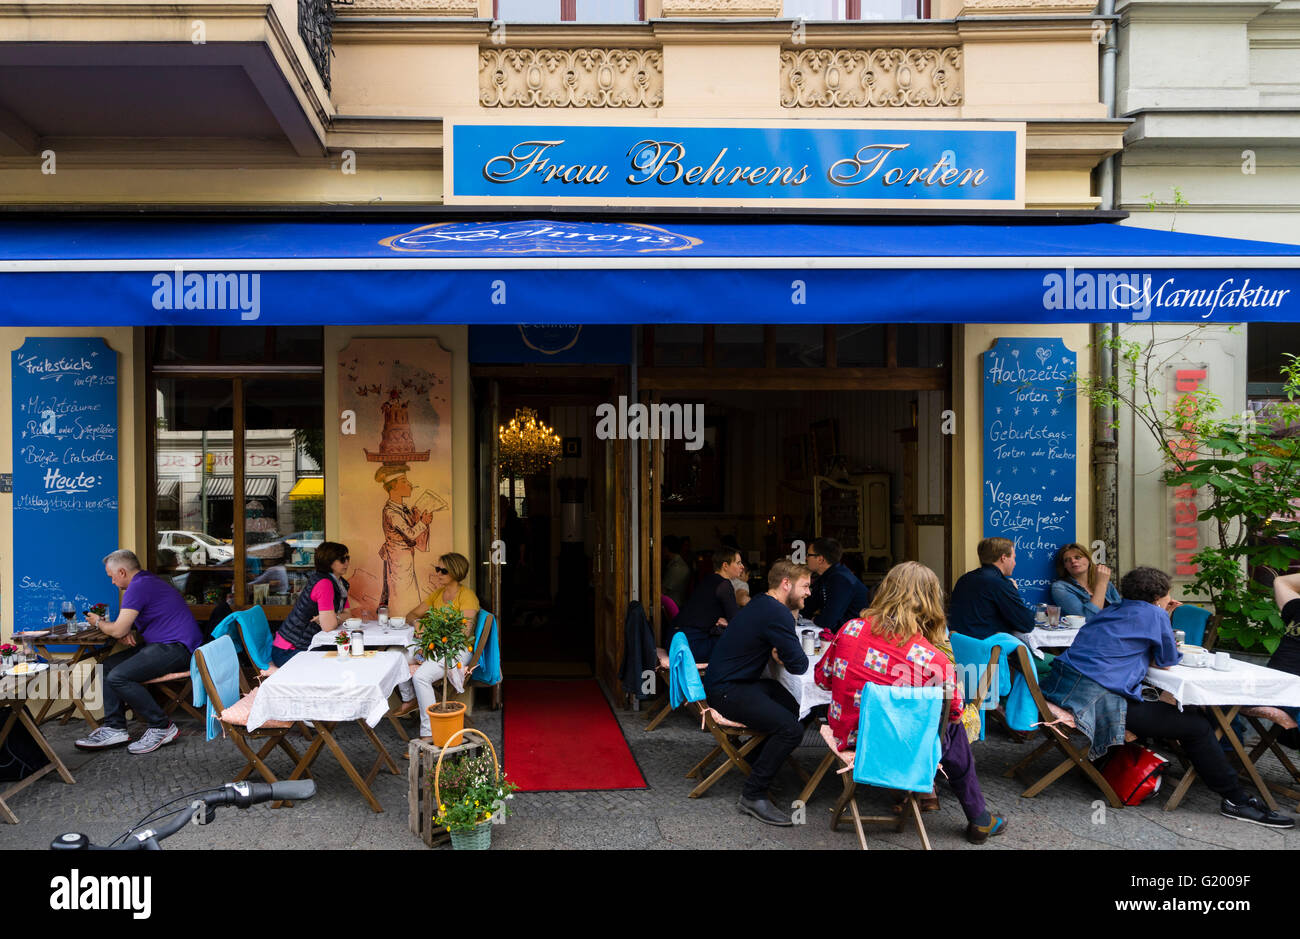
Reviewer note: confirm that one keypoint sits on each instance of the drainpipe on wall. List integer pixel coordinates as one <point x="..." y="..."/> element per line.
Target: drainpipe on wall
<point x="1105" y="450"/>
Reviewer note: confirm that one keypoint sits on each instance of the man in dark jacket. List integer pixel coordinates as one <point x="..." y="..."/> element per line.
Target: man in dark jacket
<point x="837" y="595"/>
<point x="985" y="601"/>
<point x="734" y="682"/>
<point x="711" y="606"/>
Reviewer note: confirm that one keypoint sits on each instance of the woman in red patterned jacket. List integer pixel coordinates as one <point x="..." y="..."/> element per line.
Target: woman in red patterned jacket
<point x="901" y="640"/>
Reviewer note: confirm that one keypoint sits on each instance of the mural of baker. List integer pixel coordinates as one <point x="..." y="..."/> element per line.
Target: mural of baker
<point x="395" y="391"/>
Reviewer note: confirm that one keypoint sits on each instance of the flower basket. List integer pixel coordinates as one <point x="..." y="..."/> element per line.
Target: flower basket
<point x="480" y="839"/>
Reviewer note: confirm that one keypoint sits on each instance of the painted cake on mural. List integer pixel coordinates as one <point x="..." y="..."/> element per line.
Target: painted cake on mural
<point x="396" y="443"/>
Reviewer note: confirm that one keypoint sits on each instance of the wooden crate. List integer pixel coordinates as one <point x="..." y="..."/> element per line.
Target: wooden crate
<point x="424" y="756"/>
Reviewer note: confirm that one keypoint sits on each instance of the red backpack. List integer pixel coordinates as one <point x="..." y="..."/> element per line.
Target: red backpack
<point x="1134" y="772"/>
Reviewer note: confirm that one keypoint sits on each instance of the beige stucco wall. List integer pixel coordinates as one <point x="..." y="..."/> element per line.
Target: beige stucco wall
<point x="969" y="343"/>
<point x="464" y="508"/>
<point x="130" y="469"/>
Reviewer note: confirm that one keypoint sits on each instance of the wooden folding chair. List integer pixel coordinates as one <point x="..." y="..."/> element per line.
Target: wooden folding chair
<point x="733" y="741"/>
<point x="848" y="798"/>
<point x="173" y="691"/>
<point x="664" y="707"/>
<point x="1268" y="741"/>
<point x="234" y="722"/>
<point x="1057" y="726"/>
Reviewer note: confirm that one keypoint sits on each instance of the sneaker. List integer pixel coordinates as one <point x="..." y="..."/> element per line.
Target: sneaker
<point x="153" y="738"/>
<point x="103" y="738"/>
<point x="978" y="834"/>
<point x="1253" y="810"/>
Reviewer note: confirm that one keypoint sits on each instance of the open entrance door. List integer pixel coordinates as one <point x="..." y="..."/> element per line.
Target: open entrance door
<point x="611" y="574"/>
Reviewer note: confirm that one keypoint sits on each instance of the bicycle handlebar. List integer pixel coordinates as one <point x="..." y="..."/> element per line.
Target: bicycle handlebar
<point x="241" y="795"/>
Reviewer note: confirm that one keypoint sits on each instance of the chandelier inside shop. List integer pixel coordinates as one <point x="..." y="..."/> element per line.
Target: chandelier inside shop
<point x="527" y="446"/>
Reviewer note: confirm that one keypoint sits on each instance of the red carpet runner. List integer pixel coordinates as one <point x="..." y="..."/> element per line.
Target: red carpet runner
<point x="562" y="735"/>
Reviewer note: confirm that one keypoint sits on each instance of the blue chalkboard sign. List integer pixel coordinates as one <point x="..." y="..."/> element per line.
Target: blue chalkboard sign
<point x="65" y="476"/>
<point x="1030" y="449"/>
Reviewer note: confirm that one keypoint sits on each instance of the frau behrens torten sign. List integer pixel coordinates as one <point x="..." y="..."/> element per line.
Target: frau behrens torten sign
<point x="973" y="165"/>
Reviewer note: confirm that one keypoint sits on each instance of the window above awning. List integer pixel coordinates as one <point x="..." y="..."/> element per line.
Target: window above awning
<point x="571" y="272"/>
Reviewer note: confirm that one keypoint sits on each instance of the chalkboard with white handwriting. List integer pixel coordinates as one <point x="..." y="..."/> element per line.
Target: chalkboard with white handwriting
<point x="64" y="394"/>
<point x="1030" y="449"/>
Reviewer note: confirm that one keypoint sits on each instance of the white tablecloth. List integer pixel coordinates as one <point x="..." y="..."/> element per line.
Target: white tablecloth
<point x="374" y="636"/>
<point x="1041" y="638"/>
<point x="316" y="686"/>
<point x="803" y="687"/>
<point x="1243" y="683"/>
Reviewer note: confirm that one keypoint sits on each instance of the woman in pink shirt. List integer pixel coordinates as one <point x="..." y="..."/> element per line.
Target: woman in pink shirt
<point x="318" y="607"/>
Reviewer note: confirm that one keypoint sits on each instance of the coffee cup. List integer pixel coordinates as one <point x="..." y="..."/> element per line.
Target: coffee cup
<point x="1222" y="661"/>
<point x="353" y="623"/>
<point x="1196" y="657"/>
<point x="396" y="622"/>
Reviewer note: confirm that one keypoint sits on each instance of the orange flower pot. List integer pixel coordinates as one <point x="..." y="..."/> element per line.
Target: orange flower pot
<point x="443" y="724"/>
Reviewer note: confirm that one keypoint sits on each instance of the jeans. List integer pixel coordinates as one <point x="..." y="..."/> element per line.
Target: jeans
<point x="1196" y="735"/>
<point x="123" y="674"/>
<point x="765" y="706"/>
<point x="280" y="656"/>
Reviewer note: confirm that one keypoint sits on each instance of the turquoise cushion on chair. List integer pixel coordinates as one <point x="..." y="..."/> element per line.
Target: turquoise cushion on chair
<point x="1192" y="621"/>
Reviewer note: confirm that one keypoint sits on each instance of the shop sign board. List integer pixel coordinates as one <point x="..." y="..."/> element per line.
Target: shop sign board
<point x="65" y="446"/>
<point x="894" y="164"/>
<point x="1030" y="450"/>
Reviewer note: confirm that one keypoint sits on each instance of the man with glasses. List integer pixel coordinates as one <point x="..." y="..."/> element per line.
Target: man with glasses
<point x="837" y="595"/>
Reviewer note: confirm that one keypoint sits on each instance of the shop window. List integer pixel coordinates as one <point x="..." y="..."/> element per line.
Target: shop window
<point x="676" y="346"/>
<point x="1265" y="345"/>
<point x="800" y="346"/>
<point x="569" y="11"/>
<point x="922" y="346"/>
<point x="858" y="9"/>
<point x="860" y="346"/>
<point x="216" y="539"/>
<point x="236" y="345"/>
<point x="738" y="346"/>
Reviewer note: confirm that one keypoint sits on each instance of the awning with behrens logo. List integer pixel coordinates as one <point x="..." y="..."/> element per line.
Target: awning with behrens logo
<point x="96" y="273"/>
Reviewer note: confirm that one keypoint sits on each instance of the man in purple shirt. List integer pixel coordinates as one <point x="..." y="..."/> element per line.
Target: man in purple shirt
<point x="165" y="637"/>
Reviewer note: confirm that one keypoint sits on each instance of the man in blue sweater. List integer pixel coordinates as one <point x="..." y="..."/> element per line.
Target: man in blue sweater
<point x="734" y="682"/>
<point x="985" y="601"/>
<point x="837" y="595"/>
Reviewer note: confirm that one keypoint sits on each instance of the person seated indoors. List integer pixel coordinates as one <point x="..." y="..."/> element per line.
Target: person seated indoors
<point x="156" y="625"/>
<point x="838" y="595"/>
<point x="737" y="689"/>
<point x="711" y="606"/>
<point x="447" y="589"/>
<point x="1099" y="680"/>
<point x="319" y="606"/>
<point x="986" y="600"/>
<point x="900" y="640"/>
<point x="1081" y="588"/>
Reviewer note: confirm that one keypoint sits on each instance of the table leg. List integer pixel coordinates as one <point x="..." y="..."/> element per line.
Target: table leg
<point x="1225" y="723"/>
<point x="384" y="757"/>
<point x="18" y="712"/>
<point x="324" y="730"/>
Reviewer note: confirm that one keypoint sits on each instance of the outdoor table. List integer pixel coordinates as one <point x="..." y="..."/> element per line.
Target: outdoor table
<point x="91" y="646"/>
<point x="1043" y="638"/>
<point x="803" y="687"/>
<point x="14" y="697"/>
<point x="375" y="636"/>
<point x="318" y="687"/>
<point x="1223" y="693"/>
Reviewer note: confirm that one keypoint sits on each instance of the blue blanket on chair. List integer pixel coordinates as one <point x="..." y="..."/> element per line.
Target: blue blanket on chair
<point x="898" y="737"/>
<point x="223" y="668"/>
<point x="488" y="669"/>
<point x="683" y="676"/>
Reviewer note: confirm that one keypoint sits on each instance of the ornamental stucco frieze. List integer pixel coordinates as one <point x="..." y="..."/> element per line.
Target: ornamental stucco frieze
<point x="719" y="8"/>
<point x="876" y="78"/>
<point x="448" y="8"/>
<point x="571" y="78"/>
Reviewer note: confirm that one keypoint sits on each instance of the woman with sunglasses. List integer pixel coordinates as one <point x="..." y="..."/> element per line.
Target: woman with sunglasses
<point x="446" y="579"/>
<point x="319" y="606"/>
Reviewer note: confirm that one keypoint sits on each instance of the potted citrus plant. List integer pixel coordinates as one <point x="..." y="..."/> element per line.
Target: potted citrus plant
<point x="441" y="635"/>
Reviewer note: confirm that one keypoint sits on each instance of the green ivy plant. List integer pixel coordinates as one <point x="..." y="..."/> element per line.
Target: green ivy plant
<point x="440" y="634"/>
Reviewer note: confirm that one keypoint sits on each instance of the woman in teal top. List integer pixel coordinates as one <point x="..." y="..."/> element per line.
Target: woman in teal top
<point x="1081" y="588"/>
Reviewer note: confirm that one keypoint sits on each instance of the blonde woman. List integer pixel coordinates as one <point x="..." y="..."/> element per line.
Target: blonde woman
<point x="901" y="640"/>
<point x="447" y="588"/>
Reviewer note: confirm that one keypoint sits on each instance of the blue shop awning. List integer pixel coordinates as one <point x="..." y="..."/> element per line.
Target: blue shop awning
<point x="83" y="273"/>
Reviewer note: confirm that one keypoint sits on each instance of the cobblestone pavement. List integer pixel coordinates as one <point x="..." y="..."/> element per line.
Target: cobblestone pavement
<point x="114" y="789"/>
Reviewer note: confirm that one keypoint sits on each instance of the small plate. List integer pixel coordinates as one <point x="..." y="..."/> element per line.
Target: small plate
<point x="28" y="668"/>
